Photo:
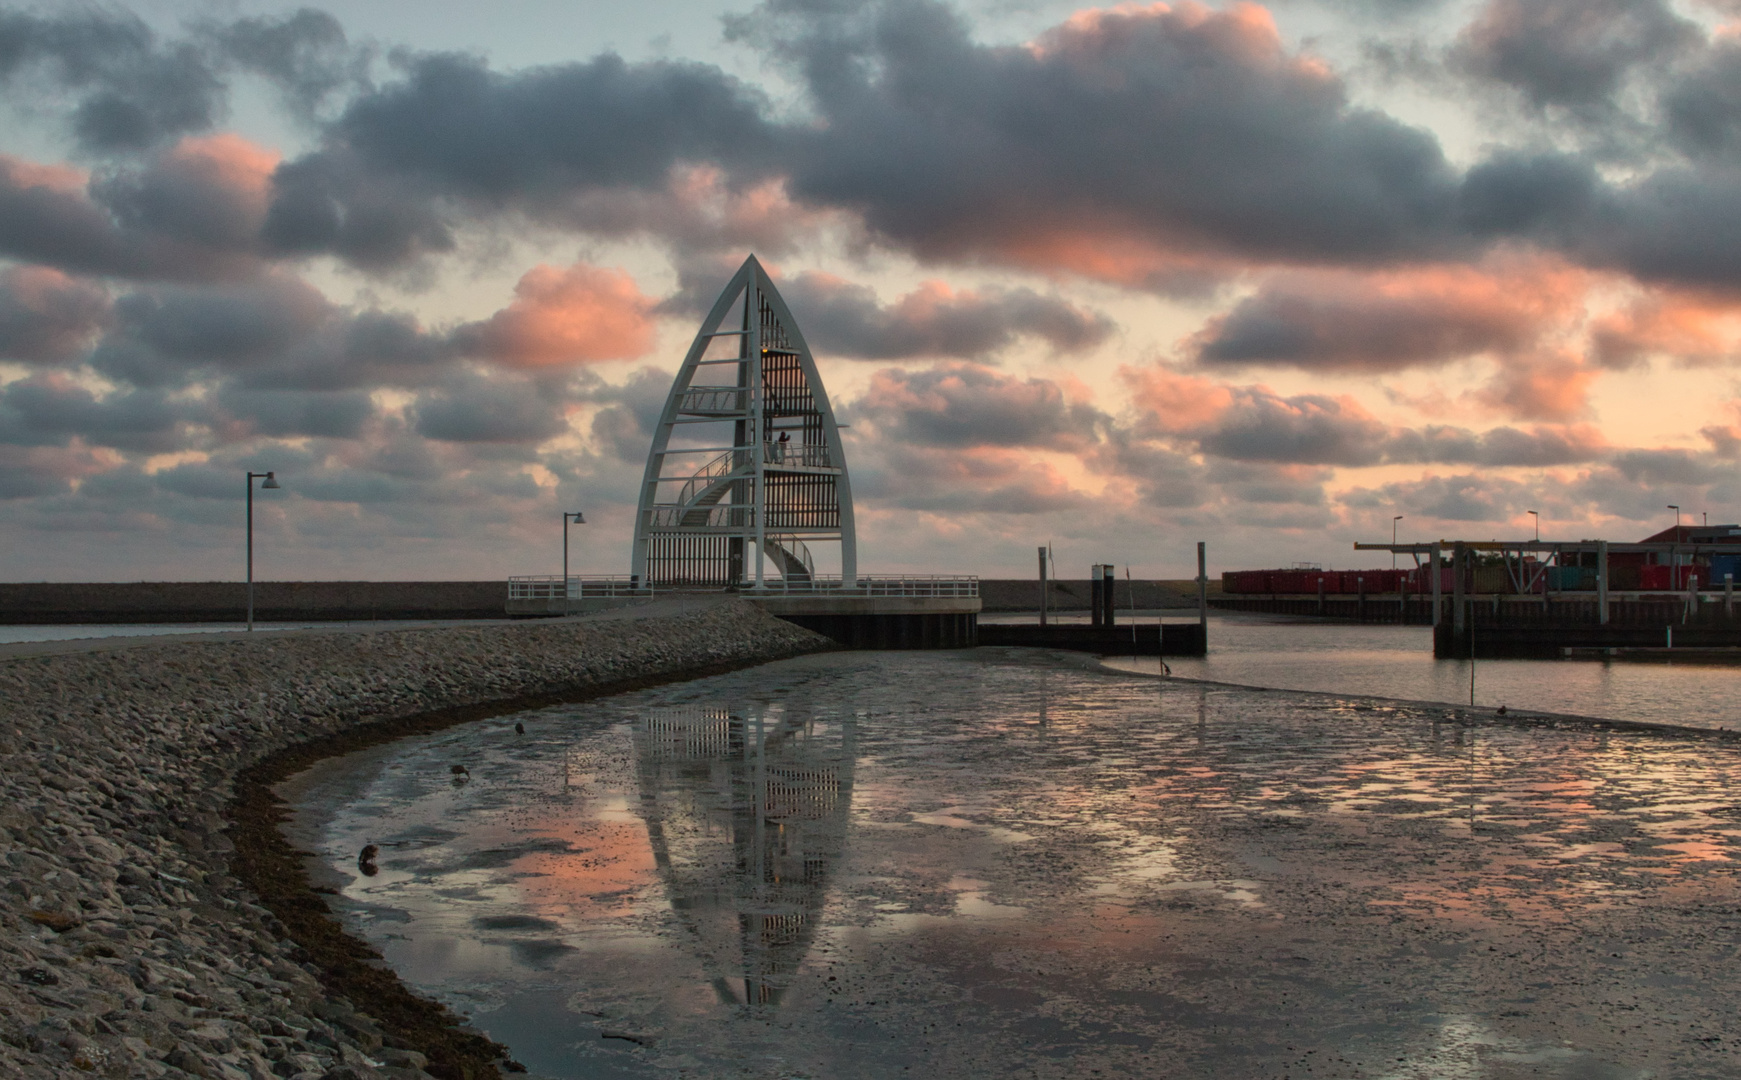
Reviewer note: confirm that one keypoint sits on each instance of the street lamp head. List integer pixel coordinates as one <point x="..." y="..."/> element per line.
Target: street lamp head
<point x="579" y="518"/>
<point x="270" y="482"/>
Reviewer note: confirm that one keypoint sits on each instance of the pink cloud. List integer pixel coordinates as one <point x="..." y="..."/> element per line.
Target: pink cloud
<point x="570" y="315"/>
<point x="1549" y="386"/>
<point x="1177" y="403"/>
<point x="1689" y="328"/>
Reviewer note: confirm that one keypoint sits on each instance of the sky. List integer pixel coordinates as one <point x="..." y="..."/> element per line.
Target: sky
<point x="1115" y="279"/>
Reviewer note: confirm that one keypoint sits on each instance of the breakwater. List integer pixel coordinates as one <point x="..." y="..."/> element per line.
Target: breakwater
<point x="154" y="924"/>
<point x="59" y="603"/>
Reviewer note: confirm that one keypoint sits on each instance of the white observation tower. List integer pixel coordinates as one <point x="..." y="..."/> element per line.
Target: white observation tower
<point x="746" y="472"/>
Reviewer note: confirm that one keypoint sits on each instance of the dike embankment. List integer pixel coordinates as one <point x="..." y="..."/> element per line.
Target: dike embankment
<point x="154" y="922"/>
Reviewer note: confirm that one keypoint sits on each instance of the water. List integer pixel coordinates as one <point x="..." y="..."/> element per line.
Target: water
<point x="1000" y="863"/>
<point x="1397" y="662"/>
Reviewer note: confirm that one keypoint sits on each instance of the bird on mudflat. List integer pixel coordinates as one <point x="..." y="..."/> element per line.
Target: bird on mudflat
<point x="1500" y="710"/>
<point x="461" y="770"/>
<point x="519" y="729"/>
<point x="366" y="859"/>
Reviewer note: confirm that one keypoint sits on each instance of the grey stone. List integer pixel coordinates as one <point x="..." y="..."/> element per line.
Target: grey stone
<point x="116" y="764"/>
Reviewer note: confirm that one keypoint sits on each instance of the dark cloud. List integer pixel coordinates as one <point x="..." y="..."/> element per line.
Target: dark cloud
<point x="1465" y="497"/>
<point x="47" y="317"/>
<point x="290" y="413"/>
<point x="624" y="426"/>
<point x="1500" y="447"/>
<point x="274" y="333"/>
<point x="453" y="136"/>
<point x="331" y="203"/>
<point x="207" y="194"/>
<point x="1335" y="323"/>
<point x="168" y="336"/>
<point x="1514" y="193"/>
<point x="1269" y="484"/>
<point x="1186" y="129"/>
<point x="1667" y="467"/>
<point x="53" y="412"/>
<point x="1163" y="476"/>
<point x="1307" y="429"/>
<point x="1574" y="54"/>
<point x="131" y="91"/>
<point x="476" y="410"/>
<point x="992" y="480"/>
<point x="24" y="476"/>
<point x="843" y="319"/>
<point x="183" y="216"/>
<point x="306" y="53"/>
<point x="1678" y="225"/>
<point x="963" y="405"/>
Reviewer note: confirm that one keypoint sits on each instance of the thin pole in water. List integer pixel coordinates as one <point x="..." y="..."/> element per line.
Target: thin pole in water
<point x="1471" y="653"/>
<point x="1130" y="587"/>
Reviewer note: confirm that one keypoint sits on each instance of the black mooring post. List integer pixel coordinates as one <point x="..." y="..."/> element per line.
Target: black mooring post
<point x="1108" y="592"/>
<point x="1203" y="590"/>
<point x="1094" y="586"/>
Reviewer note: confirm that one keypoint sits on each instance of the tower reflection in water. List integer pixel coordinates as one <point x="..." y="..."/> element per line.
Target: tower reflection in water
<point x="747" y="818"/>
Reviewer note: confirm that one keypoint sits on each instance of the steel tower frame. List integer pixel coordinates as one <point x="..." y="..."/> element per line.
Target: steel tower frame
<point x="758" y="491"/>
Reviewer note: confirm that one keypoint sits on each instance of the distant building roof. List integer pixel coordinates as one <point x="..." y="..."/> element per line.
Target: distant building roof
<point x="1696" y="534"/>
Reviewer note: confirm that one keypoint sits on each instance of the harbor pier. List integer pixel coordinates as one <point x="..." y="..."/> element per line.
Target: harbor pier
<point x="1547" y="599"/>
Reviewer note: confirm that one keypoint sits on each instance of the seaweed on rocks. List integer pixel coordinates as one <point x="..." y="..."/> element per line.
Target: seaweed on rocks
<point x="350" y="968"/>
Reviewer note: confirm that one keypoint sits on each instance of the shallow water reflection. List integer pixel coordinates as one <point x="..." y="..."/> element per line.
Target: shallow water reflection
<point x="994" y="864"/>
<point x="746" y="818"/>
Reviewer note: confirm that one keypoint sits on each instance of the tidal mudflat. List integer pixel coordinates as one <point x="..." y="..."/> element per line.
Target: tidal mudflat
<point x="1004" y="864"/>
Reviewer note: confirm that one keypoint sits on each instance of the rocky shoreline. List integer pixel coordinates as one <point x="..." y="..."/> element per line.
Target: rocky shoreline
<point x="135" y="813"/>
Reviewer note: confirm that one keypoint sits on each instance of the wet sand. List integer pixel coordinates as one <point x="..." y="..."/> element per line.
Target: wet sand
<point x="1004" y="864"/>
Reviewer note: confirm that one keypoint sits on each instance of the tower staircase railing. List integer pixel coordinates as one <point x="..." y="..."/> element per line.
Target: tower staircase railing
<point x="710" y="474"/>
<point x="792" y="556"/>
<point x="712" y="400"/>
<point x="809" y="456"/>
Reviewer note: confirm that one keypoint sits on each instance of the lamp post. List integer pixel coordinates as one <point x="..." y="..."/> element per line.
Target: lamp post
<point x="267" y="480"/>
<point x="579" y="519"/>
<point x="1677" y="511"/>
<point x="1538" y="524"/>
<point x="1393" y="522"/>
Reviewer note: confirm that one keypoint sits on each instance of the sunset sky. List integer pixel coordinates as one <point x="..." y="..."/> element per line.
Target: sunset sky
<point x="1120" y="278"/>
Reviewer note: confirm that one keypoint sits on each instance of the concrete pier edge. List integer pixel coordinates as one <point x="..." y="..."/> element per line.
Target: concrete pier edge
<point x="80" y="967"/>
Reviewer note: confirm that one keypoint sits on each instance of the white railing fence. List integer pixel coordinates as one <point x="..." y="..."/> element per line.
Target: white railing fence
<point x="589" y="586"/>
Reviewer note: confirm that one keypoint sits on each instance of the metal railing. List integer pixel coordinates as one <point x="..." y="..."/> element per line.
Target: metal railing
<point x="579" y="586"/>
<point x="712" y="400"/>
<point x="711" y="473"/>
<point x="550" y="586"/>
<point x="806" y="456"/>
<point x="933" y="585"/>
<point x="731" y="515"/>
<point x="798" y="549"/>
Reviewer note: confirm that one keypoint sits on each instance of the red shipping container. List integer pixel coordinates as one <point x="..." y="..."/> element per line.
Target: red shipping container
<point x="1653" y="578"/>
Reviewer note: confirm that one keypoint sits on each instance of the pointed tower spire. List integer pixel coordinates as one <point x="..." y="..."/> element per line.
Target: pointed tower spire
<point x="746" y="469"/>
